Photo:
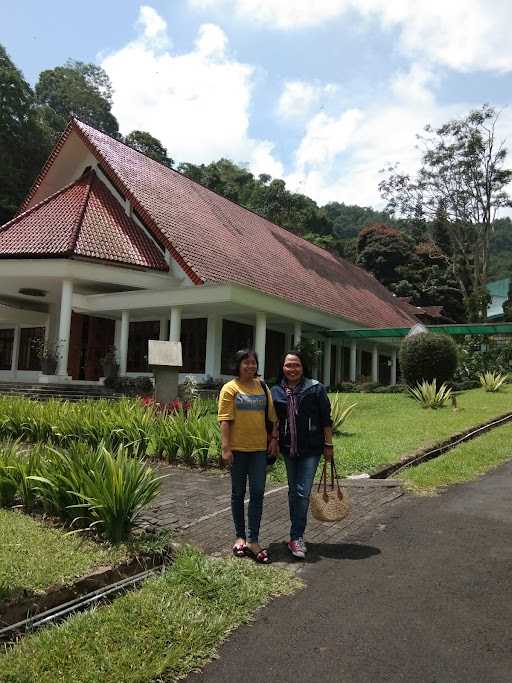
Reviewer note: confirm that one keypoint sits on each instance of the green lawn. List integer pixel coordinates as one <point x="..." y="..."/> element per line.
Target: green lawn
<point x="467" y="461"/>
<point x="168" y="628"/>
<point x="384" y="427"/>
<point x="34" y="556"/>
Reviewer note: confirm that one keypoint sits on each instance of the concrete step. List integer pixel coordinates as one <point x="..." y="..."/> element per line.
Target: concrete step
<point x="68" y="392"/>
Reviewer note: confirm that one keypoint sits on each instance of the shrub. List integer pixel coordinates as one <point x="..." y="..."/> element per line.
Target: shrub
<point x="465" y="385"/>
<point x="492" y="381"/>
<point x="347" y="387"/>
<point x="339" y="412"/>
<point x="428" y="357"/>
<point x="429" y="395"/>
<point x="367" y="387"/>
<point x="130" y="386"/>
<point x="8" y="463"/>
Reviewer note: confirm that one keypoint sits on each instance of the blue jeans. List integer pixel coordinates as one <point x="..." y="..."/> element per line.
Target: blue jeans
<point x="301" y="474"/>
<point x="252" y="466"/>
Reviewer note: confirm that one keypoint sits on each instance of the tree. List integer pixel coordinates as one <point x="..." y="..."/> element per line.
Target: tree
<point x="427" y="356"/>
<point x="463" y="170"/>
<point x="23" y="144"/>
<point x="150" y="146"/>
<point x="79" y="89"/>
<point x="382" y="249"/>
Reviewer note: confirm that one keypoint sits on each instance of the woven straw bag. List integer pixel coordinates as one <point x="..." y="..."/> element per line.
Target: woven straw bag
<point x="329" y="503"/>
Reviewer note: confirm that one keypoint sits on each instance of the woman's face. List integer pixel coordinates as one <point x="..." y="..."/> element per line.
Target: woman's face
<point x="292" y="368"/>
<point x="248" y="368"/>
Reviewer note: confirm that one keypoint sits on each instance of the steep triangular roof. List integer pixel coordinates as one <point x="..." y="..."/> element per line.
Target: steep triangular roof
<point x="216" y="240"/>
<point x="85" y="220"/>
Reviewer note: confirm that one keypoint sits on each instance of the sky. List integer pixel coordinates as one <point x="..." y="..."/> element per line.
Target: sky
<point x="322" y="93"/>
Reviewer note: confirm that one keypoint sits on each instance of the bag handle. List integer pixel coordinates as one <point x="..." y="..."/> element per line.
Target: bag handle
<point x="334" y="477"/>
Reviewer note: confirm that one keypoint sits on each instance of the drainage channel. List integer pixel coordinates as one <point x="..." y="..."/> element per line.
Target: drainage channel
<point x="56" y="614"/>
<point x="387" y="470"/>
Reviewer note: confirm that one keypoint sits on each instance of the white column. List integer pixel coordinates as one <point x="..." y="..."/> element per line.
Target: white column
<point x="339" y="359"/>
<point x="123" y="341"/>
<point x="393" y="368"/>
<point x="260" y="339"/>
<point x="213" y="346"/>
<point x="327" y="363"/>
<point x="353" y="361"/>
<point x="297" y="333"/>
<point x="66" y="303"/>
<point x="175" y="328"/>
<point x="15" y="349"/>
<point x="162" y="336"/>
<point x="375" y="363"/>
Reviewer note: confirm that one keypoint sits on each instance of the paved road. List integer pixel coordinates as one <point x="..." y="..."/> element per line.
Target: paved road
<point x="424" y="595"/>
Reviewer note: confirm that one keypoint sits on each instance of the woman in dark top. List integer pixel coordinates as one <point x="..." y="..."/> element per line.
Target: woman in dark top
<point x="305" y="434"/>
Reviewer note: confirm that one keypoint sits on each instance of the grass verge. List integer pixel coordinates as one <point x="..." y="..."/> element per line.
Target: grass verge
<point x="463" y="463"/>
<point x="34" y="556"/>
<point x="166" y="629"/>
<point x="384" y="427"/>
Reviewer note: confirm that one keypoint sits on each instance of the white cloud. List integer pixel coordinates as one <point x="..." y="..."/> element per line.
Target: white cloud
<point x="196" y="103"/>
<point x="298" y="97"/>
<point x="462" y="34"/>
<point x="340" y="157"/>
<point x="154" y="28"/>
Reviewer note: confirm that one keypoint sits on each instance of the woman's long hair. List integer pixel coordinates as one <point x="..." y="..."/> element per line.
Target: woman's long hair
<point x="241" y="355"/>
<point x="300" y="356"/>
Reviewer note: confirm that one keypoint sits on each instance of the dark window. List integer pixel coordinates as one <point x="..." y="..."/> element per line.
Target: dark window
<point x="193" y="344"/>
<point x="235" y="336"/>
<point x="274" y="350"/>
<point x="345" y="366"/>
<point x="366" y="366"/>
<point x="140" y="334"/>
<point x="28" y="359"/>
<point x="6" y="344"/>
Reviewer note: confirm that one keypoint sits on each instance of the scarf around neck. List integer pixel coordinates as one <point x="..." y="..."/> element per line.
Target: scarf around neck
<point x="292" y="394"/>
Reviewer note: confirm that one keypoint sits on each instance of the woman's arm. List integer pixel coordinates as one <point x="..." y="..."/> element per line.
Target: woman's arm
<point x="328" y="446"/>
<point x="225" y="437"/>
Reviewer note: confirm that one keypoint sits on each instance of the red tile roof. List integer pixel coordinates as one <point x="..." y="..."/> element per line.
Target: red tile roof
<point x="214" y="239"/>
<point x="82" y="219"/>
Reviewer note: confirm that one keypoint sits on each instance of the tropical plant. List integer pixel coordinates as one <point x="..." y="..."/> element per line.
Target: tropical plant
<point x="492" y="381"/>
<point x="429" y="395"/>
<point x="428" y="356"/>
<point x="115" y="491"/>
<point x="8" y="463"/>
<point x="340" y="412"/>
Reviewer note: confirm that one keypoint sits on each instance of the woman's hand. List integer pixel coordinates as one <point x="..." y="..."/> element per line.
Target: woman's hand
<point x="227" y="456"/>
<point x="273" y="447"/>
<point x="328" y="452"/>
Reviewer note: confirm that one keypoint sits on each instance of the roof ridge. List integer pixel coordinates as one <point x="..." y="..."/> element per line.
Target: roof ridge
<point x="90" y="175"/>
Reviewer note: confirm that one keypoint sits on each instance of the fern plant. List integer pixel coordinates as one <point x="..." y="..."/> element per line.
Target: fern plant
<point x="340" y="411"/>
<point x="429" y="395"/>
<point x="492" y="381"/>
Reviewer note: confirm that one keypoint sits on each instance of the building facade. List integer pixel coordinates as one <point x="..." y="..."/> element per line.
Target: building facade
<point x="111" y="249"/>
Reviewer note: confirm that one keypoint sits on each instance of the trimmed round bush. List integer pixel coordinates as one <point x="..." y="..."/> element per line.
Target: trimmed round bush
<point x="428" y="356"/>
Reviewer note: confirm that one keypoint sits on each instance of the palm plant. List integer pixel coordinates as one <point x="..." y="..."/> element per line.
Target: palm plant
<point x="340" y="411"/>
<point x="492" y="381"/>
<point x="429" y="395"/>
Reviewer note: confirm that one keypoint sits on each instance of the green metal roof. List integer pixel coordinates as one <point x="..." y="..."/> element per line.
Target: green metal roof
<point x="453" y="330"/>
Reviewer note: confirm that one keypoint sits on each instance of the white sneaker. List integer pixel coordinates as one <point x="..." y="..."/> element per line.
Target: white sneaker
<point x="298" y="548"/>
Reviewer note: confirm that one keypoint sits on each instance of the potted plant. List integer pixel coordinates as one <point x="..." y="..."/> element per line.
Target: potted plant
<point x="109" y="362"/>
<point x="48" y="354"/>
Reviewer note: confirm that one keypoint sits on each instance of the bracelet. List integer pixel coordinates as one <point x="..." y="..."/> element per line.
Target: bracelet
<point x="328" y="445"/>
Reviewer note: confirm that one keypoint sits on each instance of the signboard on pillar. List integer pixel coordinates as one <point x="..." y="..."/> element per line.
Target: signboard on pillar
<point x="165" y="361"/>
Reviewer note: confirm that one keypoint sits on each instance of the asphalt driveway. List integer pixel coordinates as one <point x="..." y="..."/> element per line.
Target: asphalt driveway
<point x="424" y="593"/>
